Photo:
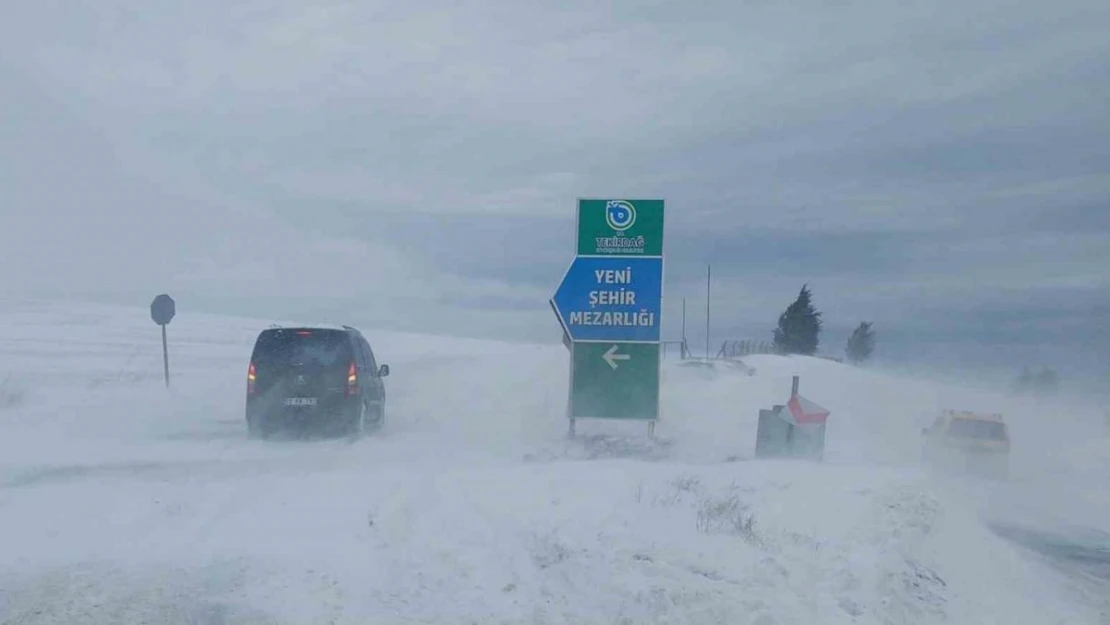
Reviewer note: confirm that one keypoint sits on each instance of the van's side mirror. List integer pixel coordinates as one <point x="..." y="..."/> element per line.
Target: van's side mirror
<point x="383" y="371"/>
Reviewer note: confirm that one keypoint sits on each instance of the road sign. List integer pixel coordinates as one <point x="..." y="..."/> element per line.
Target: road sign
<point x="620" y="227"/>
<point x="615" y="381"/>
<point x="162" y="309"/>
<point x="610" y="305"/>
<point x="611" y="299"/>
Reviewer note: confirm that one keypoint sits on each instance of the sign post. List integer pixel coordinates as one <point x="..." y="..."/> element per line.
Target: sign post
<point x="162" y="311"/>
<point x="610" y="305"/>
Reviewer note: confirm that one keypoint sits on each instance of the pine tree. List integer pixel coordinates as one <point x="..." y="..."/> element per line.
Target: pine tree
<point x="1047" y="381"/>
<point x="799" y="326"/>
<point x="861" y="344"/>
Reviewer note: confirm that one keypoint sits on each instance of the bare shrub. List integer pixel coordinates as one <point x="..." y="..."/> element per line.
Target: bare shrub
<point x="11" y="395"/>
<point x="548" y="550"/>
<point x="726" y="515"/>
<point x="687" y="483"/>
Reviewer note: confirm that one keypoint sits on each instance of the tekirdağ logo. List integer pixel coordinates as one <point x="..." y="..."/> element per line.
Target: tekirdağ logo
<point x="620" y="215"/>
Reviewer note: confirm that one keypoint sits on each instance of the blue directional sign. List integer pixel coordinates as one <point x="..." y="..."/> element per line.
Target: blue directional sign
<point x="611" y="299"/>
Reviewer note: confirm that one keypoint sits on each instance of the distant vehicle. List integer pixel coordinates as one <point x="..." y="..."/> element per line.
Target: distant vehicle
<point x="320" y="379"/>
<point x="971" y="442"/>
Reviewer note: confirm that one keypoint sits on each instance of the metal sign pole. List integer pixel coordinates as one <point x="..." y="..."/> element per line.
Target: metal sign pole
<point x="165" y="357"/>
<point x="162" y="311"/>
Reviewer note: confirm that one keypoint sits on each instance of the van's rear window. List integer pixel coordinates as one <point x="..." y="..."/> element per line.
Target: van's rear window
<point x="293" y="347"/>
<point x="973" y="428"/>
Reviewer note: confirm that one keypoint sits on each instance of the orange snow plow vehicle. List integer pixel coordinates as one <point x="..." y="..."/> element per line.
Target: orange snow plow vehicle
<point x="968" y="442"/>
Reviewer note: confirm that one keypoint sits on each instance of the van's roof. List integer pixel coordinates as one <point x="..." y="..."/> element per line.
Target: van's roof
<point x="975" y="416"/>
<point x="314" y="326"/>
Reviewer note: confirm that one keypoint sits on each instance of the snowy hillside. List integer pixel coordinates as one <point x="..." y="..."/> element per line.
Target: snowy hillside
<point x="122" y="501"/>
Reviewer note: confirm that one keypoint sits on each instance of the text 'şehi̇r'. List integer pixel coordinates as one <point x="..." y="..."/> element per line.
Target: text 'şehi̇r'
<point x="619" y="297"/>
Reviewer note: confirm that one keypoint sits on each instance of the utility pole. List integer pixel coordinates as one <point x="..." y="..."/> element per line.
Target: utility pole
<point x="684" y="328"/>
<point x="708" y="278"/>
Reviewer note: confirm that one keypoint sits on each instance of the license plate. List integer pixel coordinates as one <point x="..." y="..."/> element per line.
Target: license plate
<point x="300" y="401"/>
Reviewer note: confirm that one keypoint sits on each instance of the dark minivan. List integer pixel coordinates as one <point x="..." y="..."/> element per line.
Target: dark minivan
<point x="319" y="379"/>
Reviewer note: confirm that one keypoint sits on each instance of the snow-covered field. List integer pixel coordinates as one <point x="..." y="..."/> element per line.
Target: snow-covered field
<point x="124" y="502"/>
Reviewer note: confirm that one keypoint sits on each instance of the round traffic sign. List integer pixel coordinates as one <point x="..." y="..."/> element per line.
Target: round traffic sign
<point x="162" y="309"/>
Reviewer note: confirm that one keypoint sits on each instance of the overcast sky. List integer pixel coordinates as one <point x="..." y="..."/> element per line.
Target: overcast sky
<point x="940" y="168"/>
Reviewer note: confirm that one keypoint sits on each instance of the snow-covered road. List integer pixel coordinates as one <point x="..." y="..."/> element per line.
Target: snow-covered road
<point x="124" y="502"/>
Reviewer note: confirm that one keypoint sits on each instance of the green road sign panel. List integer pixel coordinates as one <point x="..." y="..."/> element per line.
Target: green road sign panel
<point x="613" y="380"/>
<point x="620" y="227"/>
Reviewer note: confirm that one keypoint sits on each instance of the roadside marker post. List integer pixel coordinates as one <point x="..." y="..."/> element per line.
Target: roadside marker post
<point x="162" y="311"/>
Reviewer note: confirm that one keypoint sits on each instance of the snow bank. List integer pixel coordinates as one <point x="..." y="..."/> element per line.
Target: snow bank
<point x="125" y="501"/>
<point x="599" y="542"/>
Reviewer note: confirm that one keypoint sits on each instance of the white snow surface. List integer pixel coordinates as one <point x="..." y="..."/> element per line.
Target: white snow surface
<point x="122" y="501"/>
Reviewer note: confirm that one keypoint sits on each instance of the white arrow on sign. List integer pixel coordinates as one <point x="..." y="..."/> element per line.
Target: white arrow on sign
<point x="611" y="356"/>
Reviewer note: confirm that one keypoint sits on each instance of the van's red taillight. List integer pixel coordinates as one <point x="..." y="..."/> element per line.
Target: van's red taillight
<point x="251" y="379"/>
<point x="352" y="379"/>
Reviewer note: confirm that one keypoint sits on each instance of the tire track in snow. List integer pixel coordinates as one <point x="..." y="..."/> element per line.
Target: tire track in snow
<point x="1081" y="554"/>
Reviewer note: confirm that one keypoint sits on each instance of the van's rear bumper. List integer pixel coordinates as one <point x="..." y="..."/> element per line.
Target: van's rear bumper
<point x="976" y="460"/>
<point x="333" y="415"/>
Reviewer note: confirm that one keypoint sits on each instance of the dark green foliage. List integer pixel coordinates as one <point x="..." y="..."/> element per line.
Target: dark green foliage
<point x="861" y="344"/>
<point x="1046" y="381"/>
<point x="799" y="326"/>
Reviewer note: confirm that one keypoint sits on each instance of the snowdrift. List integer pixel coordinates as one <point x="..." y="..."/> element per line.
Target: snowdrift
<point x="123" y="501"/>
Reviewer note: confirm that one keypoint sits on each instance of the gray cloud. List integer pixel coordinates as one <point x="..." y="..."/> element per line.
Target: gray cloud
<point x="923" y="164"/>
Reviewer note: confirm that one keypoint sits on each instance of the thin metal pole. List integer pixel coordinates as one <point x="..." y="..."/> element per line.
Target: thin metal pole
<point x="708" y="277"/>
<point x="684" y="320"/>
<point x="165" y="357"/>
